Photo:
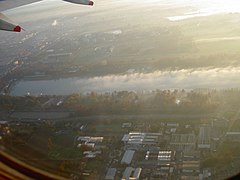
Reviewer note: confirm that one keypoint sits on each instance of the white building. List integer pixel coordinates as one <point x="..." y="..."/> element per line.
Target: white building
<point x="139" y="138"/>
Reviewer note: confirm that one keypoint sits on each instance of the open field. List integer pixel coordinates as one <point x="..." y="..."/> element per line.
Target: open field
<point x="39" y="115"/>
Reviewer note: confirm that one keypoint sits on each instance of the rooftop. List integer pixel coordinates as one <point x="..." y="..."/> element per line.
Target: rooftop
<point x="111" y="174"/>
<point x="141" y="138"/>
<point x="131" y="173"/>
<point x="127" y="157"/>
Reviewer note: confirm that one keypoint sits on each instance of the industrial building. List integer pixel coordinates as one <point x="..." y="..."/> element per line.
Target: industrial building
<point x="158" y="158"/>
<point x="163" y="172"/>
<point x="131" y="173"/>
<point x="111" y="174"/>
<point x="191" y="168"/>
<point x="127" y="157"/>
<point x="89" y="139"/>
<point x="60" y="58"/>
<point x="233" y="136"/>
<point x="160" y="155"/>
<point x="204" y="137"/>
<point x="138" y="138"/>
<point x="191" y="155"/>
<point x="183" y="142"/>
<point x="169" y="124"/>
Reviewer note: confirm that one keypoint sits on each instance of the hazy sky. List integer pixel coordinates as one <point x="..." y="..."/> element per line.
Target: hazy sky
<point x="104" y="9"/>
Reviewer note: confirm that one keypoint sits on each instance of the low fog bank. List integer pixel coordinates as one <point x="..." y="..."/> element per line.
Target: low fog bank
<point x="213" y="78"/>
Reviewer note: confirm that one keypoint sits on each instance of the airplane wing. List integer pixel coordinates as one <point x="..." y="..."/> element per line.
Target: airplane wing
<point x="7" y="25"/>
<point x="9" y="4"/>
<point x="5" y="22"/>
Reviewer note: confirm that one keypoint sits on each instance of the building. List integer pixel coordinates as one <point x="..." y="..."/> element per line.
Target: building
<point x="89" y="139"/>
<point x="59" y="58"/>
<point x="206" y="174"/>
<point x="158" y="158"/>
<point x="111" y="174"/>
<point x="183" y="142"/>
<point x="233" y="136"/>
<point x="169" y="124"/>
<point x="204" y="137"/>
<point x="164" y="156"/>
<point x="219" y="123"/>
<point x="127" y="157"/>
<point x="138" y="138"/>
<point x="131" y="173"/>
<point x="190" y="177"/>
<point x="91" y="154"/>
<point x="127" y="125"/>
<point x="163" y="172"/>
<point x="160" y="155"/>
<point x="191" y="168"/>
<point x="191" y="155"/>
<point x="91" y="142"/>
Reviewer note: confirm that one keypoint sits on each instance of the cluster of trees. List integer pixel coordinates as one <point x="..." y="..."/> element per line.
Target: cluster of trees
<point x="160" y="101"/>
<point x="128" y="102"/>
<point x="11" y="103"/>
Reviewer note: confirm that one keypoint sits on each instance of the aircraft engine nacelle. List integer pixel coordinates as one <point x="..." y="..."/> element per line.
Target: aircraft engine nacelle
<point x="84" y="2"/>
<point x="7" y="26"/>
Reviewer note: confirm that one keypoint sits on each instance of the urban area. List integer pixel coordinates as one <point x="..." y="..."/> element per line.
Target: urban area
<point x="123" y="90"/>
<point x="160" y="134"/>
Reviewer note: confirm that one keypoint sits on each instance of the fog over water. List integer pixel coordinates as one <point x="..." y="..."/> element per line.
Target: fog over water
<point x="215" y="78"/>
